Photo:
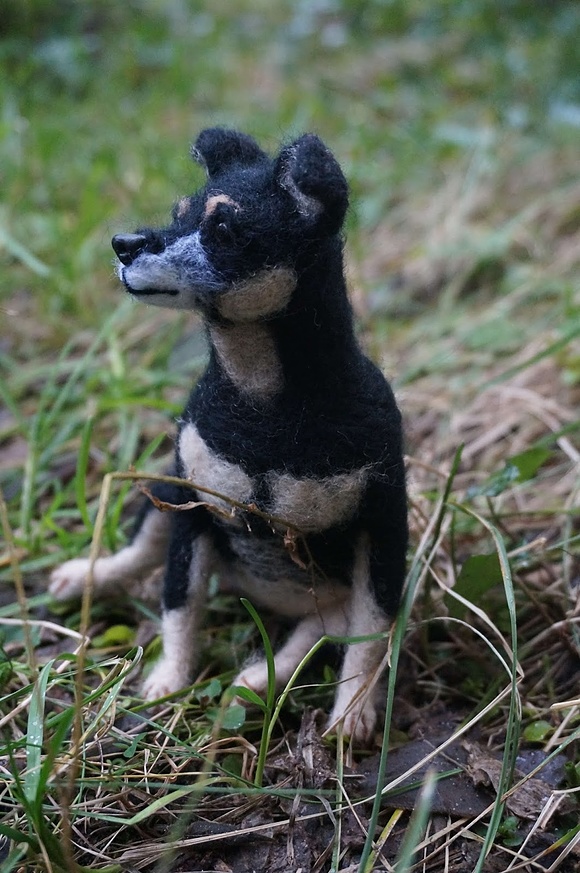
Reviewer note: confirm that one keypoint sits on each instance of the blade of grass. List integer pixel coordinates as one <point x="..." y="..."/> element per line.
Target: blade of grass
<point x="46" y="431"/>
<point x="385" y="834"/>
<point x="35" y="734"/>
<point x="248" y="695"/>
<point x="513" y="728"/>
<point x="21" y="253"/>
<point x="417" y="825"/>
<point x="81" y="471"/>
<point x="18" y="582"/>
<point x="431" y="535"/>
<point x="550" y="350"/>
<point x="7" y="398"/>
<point x="270" y="692"/>
<point x="338" y="806"/>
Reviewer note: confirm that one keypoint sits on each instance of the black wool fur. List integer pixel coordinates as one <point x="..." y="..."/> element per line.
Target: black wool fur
<point x="290" y="417"/>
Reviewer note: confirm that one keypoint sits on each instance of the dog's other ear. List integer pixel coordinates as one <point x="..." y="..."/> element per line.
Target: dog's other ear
<point x="217" y="148"/>
<point x="310" y="173"/>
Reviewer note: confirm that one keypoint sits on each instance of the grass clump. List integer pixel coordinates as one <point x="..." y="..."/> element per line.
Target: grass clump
<point x="457" y="127"/>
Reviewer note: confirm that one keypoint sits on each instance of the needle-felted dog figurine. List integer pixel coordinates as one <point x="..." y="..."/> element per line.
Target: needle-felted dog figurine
<point x="289" y="418"/>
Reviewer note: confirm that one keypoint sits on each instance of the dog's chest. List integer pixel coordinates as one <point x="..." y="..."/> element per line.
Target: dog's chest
<point x="312" y="505"/>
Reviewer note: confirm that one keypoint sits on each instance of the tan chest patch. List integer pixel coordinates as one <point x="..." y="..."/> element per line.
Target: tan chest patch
<point x="316" y="504"/>
<point x="207" y="469"/>
<point x="310" y="505"/>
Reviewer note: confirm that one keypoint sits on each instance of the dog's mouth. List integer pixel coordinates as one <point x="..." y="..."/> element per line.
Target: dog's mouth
<point x="146" y="291"/>
<point x="149" y="292"/>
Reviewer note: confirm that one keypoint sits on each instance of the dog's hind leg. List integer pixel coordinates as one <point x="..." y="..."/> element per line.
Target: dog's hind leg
<point x="145" y="552"/>
<point x="378" y="576"/>
<point x="330" y="621"/>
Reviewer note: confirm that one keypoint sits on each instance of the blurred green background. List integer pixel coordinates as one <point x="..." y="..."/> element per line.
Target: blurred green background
<point x="99" y="101"/>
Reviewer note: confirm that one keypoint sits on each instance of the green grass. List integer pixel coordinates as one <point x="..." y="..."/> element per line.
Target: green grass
<point x="457" y="125"/>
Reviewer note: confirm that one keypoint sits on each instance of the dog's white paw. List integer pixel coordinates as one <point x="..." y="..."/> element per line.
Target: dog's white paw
<point x="357" y="720"/>
<point x="68" y="581"/>
<point x="165" y="678"/>
<point x="255" y="678"/>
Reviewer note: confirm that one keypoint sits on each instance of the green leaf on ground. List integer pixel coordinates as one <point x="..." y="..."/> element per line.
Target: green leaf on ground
<point x="116" y="635"/>
<point x="520" y="468"/>
<point x="478" y="575"/>
<point x="537" y="731"/>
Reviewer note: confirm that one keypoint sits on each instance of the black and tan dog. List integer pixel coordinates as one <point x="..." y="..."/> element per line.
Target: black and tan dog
<point x="289" y="417"/>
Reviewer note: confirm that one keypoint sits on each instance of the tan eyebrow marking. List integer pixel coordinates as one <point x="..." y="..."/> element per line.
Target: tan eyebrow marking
<point x="213" y="201"/>
<point x="182" y="207"/>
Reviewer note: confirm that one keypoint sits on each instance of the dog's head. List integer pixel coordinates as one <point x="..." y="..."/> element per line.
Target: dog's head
<point x="234" y="248"/>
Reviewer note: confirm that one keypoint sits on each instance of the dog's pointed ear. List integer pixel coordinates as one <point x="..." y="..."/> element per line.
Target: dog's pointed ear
<point x="310" y="173"/>
<point x="217" y="148"/>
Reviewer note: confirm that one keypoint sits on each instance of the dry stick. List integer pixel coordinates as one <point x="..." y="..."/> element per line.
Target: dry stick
<point x="77" y="727"/>
<point x="18" y="584"/>
<point x="272" y="520"/>
<point x="292" y="533"/>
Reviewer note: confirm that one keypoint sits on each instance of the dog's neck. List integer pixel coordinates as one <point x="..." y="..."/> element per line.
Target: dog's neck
<point x="247" y="354"/>
<point x="304" y="349"/>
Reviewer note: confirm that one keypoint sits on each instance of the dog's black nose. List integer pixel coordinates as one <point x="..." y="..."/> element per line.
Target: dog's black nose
<point x="127" y="246"/>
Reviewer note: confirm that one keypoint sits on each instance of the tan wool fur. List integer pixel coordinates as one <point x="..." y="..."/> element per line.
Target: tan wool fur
<point x="248" y="355"/>
<point x="316" y="504"/>
<point x="260" y="296"/>
<point x="215" y="199"/>
<point x="207" y="469"/>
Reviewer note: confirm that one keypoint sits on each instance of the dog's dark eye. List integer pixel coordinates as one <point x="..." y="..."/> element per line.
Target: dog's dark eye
<point x="222" y="231"/>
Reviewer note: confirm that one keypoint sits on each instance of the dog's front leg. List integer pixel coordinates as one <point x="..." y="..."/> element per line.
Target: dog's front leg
<point x="377" y="582"/>
<point x="184" y="597"/>
<point x="355" y="705"/>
